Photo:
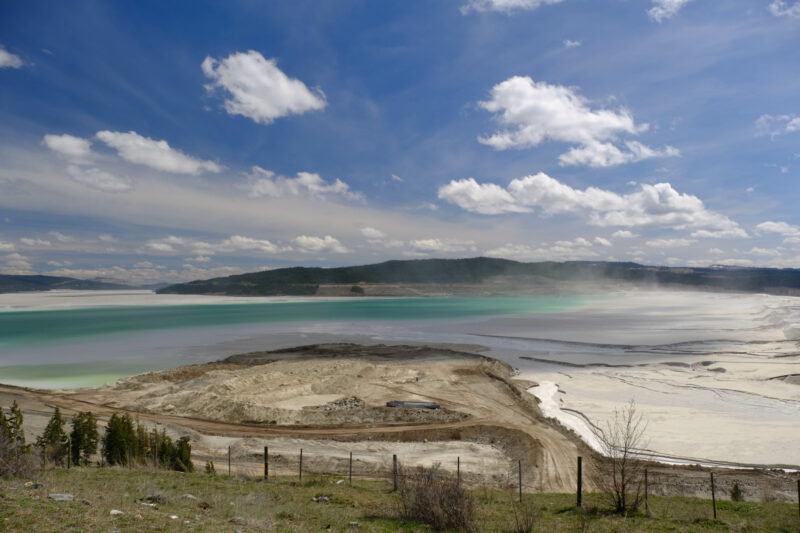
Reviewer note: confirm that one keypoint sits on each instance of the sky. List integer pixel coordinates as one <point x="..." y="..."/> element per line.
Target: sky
<point x="167" y="141"/>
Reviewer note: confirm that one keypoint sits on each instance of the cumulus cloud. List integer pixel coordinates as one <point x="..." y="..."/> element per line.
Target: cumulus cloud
<point x="623" y="234"/>
<point x="670" y="243"/>
<point x="780" y="8"/>
<point x="665" y="9"/>
<point x="483" y="198"/>
<point x="602" y="242"/>
<point x="9" y="60"/>
<point x="571" y="44"/>
<point x="534" y="112"/>
<point x="790" y="233"/>
<point x="155" y="154"/>
<point x="266" y="183"/>
<point x="372" y="233"/>
<point x="35" y="243"/>
<point x="504" y="6"/>
<point x="768" y="252"/>
<point x="576" y="249"/>
<point x="257" y="89"/>
<point x="98" y="179"/>
<point x="234" y="243"/>
<point x="60" y="237"/>
<point x="774" y="125"/>
<point x="16" y="264"/>
<point x="656" y="205"/>
<point x="69" y="146"/>
<point x="311" y="244"/>
<point x="442" y="245"/>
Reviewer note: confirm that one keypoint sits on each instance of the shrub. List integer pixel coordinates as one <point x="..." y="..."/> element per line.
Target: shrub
<point x="210" y="470"/>
<point x="736" y="493"/>
<point x="15" y="456"/>
<point x="435" y="497"/>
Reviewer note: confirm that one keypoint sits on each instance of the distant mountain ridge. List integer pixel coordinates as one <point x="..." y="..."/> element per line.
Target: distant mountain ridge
<point x="427" y="276"/>
<point x="26" y="283"/>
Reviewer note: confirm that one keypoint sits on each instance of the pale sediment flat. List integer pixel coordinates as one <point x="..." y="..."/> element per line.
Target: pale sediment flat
<point x="715" y="375"/>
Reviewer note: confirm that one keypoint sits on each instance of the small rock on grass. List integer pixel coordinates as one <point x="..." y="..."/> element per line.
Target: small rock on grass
<point x="61" y="497"/>
<point x="189" y="496"/>
<point x="115" y="512"/>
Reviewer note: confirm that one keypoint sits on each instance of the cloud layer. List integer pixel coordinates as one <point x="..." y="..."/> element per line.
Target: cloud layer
<point x="505" y="6"/>
<point x="534" y="112"/>
<point x="257" y="89"/>
<point x="652" y="206"/>
<point x="266" y="183"/>
<point x="665" y="9"/>
<point x="159" y="155"/>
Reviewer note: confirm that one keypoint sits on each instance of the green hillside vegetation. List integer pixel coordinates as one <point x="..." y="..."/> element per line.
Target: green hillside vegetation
<point x="306" y="281"/>
<point x="14" y="283"/>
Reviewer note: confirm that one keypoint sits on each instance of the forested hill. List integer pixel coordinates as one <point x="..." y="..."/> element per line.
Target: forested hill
<point x="14" y="283"/>
<point x="480" y="270"/>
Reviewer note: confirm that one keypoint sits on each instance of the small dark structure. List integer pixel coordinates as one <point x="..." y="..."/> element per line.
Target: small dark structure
<point x="413" y="405"/>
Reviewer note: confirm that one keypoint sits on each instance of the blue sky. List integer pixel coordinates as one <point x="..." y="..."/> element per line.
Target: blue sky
<point x="165" y="141"/>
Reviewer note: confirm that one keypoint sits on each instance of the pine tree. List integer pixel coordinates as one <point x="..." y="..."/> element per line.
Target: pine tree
<point x="183" y="456"/>
<point x="53" y="443"/>
<point x="16" y="432"/>
<point x="84" y="437"/>
<point x="119" y="441"/>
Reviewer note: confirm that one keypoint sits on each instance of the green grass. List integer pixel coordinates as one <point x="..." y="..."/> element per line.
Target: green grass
<point x="228" y="504"/>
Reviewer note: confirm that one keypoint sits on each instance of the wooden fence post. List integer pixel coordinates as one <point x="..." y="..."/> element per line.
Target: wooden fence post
<point x="580" y="481"/>
<point x="350" y="471"/>
<point x="394" y="471"/>
<point x="458" y="471"/>
<point x="713" y="496"/>
<point x="519" y="464"/>
<point x="229" y="460"/>
<point x="69" y="450"/>
<point x="301" y="464"/>
<point x="266" y="462"/>
<point x="646" y="506"/>
<point x="798" y="496"/>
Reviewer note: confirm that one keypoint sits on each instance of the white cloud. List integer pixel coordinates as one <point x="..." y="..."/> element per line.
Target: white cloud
<point x="76" y="148"/>
<point x="770" y="252"/>
<point x="234" y="243"/>
<point x="155" y="154"/>
<point x="656" y="205"/>
<point x="558" y="251"/>
<point x="430" y="206"/>
<point x="258" y="89"/>
<point x="98" y="179"/>
<point x="9" y="60"/>
<point x="571" y="44"/>
<point x="781" y="228"/>
<point x="504" y="6"/>
<point x="780" y="8"/>
<point x="266" y="183"/>
<point x="104" y="237"/>
<point x="774" y="125"/>
<point x="670" y="243"/>
<point x="442" y="245"/>
<point x="35" y="243"/>
<point x="16" y="264"/>
<point x="397" y="178"/>
<point x="602" y="242"/>
<point x="623" y="234"/>
<point x="534" y="112"/>
<point x="486" y="198"/>
<point x="372" y="233"/>
<point x="665" y="9"/>
<point x="60" y="237"/>
<point x="313" y="244"/>
<point x="6" y="246"/>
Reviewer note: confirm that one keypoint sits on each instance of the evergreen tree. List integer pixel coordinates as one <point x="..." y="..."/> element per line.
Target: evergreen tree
<point x="16" y="432"/>
<point x="119" y="441"/>
<point x="53" y="443"/>
<point x="183" y="456"/>
<point x="84" y="437"/>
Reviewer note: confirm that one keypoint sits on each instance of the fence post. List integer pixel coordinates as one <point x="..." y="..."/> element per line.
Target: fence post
<point x="155" y="453"/>
<point x="69" y="450"/>
<point x="798" y="496"/>
<point x="350" y="471"/>
<point x="519" y="463"/>
<point x="458" y="471"/>
<point x="646" y="506"/>
<point x="266" y="462"/>
<point x="394" y="471"/>
<point x="229" y="460"/>
<point x="713" y="496"/>
<point x="301" y="464"/>
<point x="580" y="481"/>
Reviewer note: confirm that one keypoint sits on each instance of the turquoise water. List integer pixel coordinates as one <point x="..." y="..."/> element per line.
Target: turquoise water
<point x="90" y="346"/>
<point x="26" y="328"/>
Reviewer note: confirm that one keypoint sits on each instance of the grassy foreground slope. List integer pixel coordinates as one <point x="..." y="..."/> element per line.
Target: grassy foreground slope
<point x="307" y="281"/>
<point x="200" y="502"/>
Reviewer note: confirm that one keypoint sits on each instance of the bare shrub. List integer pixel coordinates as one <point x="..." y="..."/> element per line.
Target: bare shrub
<point x="524" y="514"/>
<point x="435" y="497"/>
<point x="619" y="472"/>
<point x="16" y="460"/>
